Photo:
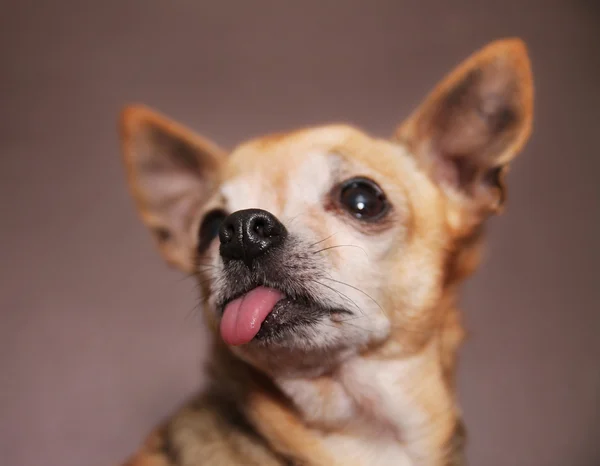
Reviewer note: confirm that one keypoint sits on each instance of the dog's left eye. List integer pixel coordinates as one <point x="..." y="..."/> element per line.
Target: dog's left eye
<point x="209" y="229"/>
<point x="364" y="199"/>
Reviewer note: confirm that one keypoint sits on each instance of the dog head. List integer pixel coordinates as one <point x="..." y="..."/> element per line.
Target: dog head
<point x="321" y="243"/>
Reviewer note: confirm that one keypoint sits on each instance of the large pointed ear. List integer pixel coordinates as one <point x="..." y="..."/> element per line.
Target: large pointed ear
<point x="471" y="126"/>
<point x="171" y="172"/>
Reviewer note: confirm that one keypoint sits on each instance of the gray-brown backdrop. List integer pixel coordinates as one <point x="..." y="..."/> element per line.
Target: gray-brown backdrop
<point x="98" y="340"/>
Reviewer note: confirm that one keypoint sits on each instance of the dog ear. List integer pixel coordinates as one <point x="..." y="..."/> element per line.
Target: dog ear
<point x="171" y="172"/>
<point x="471" y="126"/>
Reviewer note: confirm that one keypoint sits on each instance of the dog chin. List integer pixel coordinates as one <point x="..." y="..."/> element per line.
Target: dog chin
<point x="295" y="322"/>
<point x="298" y="350"/>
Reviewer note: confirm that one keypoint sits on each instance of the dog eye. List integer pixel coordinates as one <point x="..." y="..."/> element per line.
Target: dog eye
<point x="209" y="229"/>
<point x="363" y="199"/>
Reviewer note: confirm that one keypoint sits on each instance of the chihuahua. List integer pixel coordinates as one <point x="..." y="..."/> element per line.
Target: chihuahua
<point x="329" y="264"/>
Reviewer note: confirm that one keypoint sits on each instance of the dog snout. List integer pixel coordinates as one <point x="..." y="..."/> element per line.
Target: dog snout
<point x="247" y="234"/>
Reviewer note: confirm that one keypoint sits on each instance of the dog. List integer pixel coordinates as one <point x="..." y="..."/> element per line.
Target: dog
<point x="329" y="264"/>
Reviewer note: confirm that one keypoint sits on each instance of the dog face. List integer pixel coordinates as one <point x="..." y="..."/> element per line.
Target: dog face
<point x="318" y="245"/>
<point x="321" y="243"/>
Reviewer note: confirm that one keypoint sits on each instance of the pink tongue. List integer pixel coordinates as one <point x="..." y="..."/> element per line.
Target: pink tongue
<point x="243" y="317"/>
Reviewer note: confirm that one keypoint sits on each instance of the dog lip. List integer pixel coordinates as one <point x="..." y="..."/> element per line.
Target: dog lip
<point x="223" y="304"/>
<point x="305" y="300"/>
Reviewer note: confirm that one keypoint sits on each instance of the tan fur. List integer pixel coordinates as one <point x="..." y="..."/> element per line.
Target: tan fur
<point x="133" y="124"/>
<point x="380" y="389"/>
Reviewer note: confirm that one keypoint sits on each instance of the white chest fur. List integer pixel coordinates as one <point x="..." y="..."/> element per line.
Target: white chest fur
<point x="369" y="450"/>
<point x="379" y="412"/>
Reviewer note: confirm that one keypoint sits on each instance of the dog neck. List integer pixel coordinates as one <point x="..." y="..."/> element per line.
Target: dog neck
<point x="382" y="405"/>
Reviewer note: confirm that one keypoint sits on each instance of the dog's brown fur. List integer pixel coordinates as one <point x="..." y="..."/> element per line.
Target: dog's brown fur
<point x="462" y="138"/>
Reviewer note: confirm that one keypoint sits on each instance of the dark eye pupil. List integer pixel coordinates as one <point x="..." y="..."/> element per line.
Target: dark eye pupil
<point x="363" y="199"/>
<point x="209" y="229"/>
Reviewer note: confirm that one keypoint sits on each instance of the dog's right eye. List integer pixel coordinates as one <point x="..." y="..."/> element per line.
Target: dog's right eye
<point x="209" y="229"/>
<point x="363" y="199"/>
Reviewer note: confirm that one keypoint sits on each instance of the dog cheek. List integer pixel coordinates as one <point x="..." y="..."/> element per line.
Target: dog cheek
<point x="373" y="329"/>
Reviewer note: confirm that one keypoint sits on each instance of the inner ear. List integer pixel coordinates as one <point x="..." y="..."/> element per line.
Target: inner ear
<point x="475" y="122"/>
<point x="171" y="172"/>
<point x="473" y="125"/>
<point x="183" y="154"/>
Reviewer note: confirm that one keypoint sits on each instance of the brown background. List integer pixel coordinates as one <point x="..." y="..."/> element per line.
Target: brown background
<point x="98" y="340"/>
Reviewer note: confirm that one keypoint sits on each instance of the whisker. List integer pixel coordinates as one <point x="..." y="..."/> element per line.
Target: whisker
<point x="342" y="246"/>
<point x="211" y="278"/>
<point x="204" y="268"/>
<point x="186" y="276"/>
<point x="359" y="290"/>
<point x="351" y="325"/>
<point x="205" y="264"/>
<point x="192" y="313"/>
<point x="342" y="295"/>
<point x="291" y="220"/>
<point x="323" y="240"/>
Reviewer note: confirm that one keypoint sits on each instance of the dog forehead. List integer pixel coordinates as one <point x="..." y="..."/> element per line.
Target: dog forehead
<point x="283" y="153"/>
<point x="280" y="184"/>
<point x="282" y="150"/>
<point x="276" y="171"/>
<point x="284" y="171"/>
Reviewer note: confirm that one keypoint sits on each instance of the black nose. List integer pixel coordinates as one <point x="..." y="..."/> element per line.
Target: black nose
<point x="246" y="234"/>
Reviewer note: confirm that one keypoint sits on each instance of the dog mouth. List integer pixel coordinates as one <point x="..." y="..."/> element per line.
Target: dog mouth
<point x="267" y="315"/>
<point x="243" y="317"/>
